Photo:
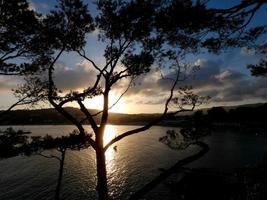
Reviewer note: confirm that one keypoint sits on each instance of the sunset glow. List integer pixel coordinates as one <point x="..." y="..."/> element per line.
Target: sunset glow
<point x="97" y="103"/>
<point x="131" y="99"/>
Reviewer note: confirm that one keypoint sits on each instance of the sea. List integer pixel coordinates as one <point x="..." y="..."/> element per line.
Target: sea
<point x="135" y="161"/>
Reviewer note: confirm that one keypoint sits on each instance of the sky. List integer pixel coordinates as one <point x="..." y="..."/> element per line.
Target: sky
<point x="224" y="77"/>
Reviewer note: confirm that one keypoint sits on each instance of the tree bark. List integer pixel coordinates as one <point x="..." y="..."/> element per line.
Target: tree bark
<point x="61" y="168"/>
<point x="102" y="186"/>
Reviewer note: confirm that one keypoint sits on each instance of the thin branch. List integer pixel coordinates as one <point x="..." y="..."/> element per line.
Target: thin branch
<point x="88" y="115"/>
<point x="238" y="7"/>
<point x="123" y="47"/>
<point x="83" y="94"/>
<point x="20" y="102"/>
<point x="13" y="105"/>
<point x="154" y="122"/>
<point x="90" y="60"/>
<point x="119" y="98"/>
<point x="50" y="156"/>
<point x="59" y="108"/>
<point x="174" y="169"/>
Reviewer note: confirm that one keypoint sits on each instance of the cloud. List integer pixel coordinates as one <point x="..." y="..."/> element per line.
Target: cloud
<point x="229" y="85"/>
<point x="247" y="51"/>
<point x="223" y="84"/>
<point x="76" y="78"/>
<point x="37" y="6"/>
<point x="7" y="83"/>
<point x="145" y="85"/>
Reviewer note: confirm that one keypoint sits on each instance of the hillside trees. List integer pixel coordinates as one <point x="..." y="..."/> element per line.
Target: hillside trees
<point x="137" y="36"/>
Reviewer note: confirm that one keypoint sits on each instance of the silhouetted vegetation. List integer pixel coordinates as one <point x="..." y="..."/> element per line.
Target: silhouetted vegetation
<point x="249" y="116"/>
<point x="259" y="69"/>
<point x="209" y="184"/>
<point x="14" y="143"/>
<point x="136" y="36"/>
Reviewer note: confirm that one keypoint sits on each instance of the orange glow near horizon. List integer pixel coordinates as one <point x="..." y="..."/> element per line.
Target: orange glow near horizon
<point x="97" y="103"/>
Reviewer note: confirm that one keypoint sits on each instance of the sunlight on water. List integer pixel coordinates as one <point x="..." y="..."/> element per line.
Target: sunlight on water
<point x="136" y="161"/>
<point x="109" y="135"/>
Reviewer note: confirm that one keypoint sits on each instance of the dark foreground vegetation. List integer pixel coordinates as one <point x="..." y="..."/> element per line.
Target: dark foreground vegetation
<point x="136" y="37"/>
<point x="209" y="184"/>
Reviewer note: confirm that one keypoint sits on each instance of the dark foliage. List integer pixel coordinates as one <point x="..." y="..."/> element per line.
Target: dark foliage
<point x="14" y="143"/>
<point x="259" y="69"/>
<point x="242" y="116"/>
<point x="20" y="29"/>
<point x="136" y="35"/>
<point x="66" y="26"/>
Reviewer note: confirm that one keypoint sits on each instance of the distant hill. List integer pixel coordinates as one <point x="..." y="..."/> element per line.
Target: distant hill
<point x="51" y="116"/>
<point x="227" y="108"/>
<point x="248" y="112"/>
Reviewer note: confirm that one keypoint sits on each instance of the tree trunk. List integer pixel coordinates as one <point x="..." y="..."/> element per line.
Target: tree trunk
<point x="102" y="186"/>
<point x="60" y="175"/>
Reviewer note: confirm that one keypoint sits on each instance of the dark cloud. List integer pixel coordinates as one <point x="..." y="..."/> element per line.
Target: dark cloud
<point x="79" y="77"/>
<point x="246" y="89"/>
<point x="213" y="79"/>
<point x="224" y="85"/>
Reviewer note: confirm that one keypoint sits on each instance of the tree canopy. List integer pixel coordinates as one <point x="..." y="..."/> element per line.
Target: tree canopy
<point x="137" y="35"/>
<point x="260" y="69"/>
<point x="20" y="26"/>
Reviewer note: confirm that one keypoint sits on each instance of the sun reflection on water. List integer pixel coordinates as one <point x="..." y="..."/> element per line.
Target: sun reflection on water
<point x="110" y="133"/>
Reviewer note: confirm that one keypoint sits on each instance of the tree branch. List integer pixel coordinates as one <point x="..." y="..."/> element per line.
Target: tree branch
<point x="83" y="94"/>
<point x="50" y="156"/>
<point x="58" y="107"/>
<point x="154" y="122"/>
<point x="88" y="116"/>
<point x="174" y="169"/>
<point x="91" y="61"/>
<point x="122" y="94"/>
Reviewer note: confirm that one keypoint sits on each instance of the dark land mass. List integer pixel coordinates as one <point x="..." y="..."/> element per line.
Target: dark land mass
<point x="52" y="117"/>
<point x="209" y="184"/>
<point x="252" y="115"/>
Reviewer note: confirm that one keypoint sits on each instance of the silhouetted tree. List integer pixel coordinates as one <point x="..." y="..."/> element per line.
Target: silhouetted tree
<point x="20" y="52"/>
<point x="14" y="143"/>
<point x="260" y="69"/>
<point x="136" y="35"/>
<point x="20" y="28"/>
<point x="39" y="145"/>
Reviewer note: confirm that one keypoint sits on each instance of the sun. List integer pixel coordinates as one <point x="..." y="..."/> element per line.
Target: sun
<point x="97" y="103"/>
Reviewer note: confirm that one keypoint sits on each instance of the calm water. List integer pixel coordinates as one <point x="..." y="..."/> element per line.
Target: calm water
<point x="137" y="161"/>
